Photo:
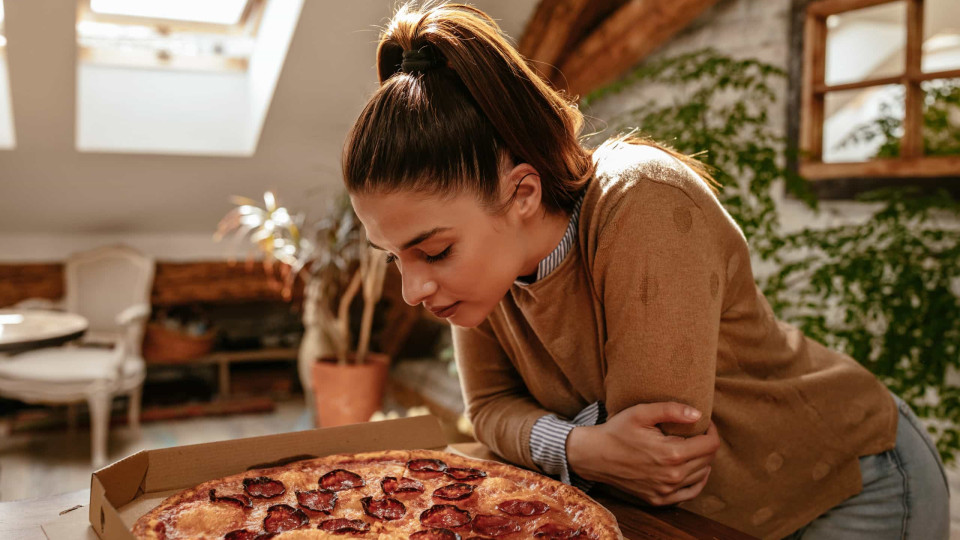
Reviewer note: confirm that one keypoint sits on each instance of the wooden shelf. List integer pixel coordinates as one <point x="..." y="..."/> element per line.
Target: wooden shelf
<point x="253" y="355"/>
<point x="223" y="359"/>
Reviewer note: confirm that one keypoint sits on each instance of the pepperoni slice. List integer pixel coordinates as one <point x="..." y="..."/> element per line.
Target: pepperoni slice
<point x="445" y="516"/>
<point x="393" y="485"/>
<point x="519" y="507"/>
<point x="283" y="517"/>
<point x="240" y="500"/>
<point x="494" y="525"/>
<point x="343" y="525"/>
<point x="435" y="534"/>
<point x="465" y="474"/>
<point x="556" y="532"/>
<point x="317" y="500"/>
<point x="263" y="487"/>
<point x="454" y="492"/>
<point x="243" y="534"/>
<point x="430" y="466"/>
<point x="340" y="479"/>
<point x="386" y="508"/>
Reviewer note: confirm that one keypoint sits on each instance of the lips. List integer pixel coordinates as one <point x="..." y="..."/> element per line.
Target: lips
<point x="444" y="311"/>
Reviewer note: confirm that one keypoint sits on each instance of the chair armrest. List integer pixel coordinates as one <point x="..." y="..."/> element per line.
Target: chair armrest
<point x="133" y="314"/>
<point x="39" y="303"/>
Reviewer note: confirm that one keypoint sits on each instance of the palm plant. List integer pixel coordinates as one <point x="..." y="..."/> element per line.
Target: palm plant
<point x="332" y="257"/>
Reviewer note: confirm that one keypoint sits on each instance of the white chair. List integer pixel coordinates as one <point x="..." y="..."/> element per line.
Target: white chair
<point x="109" y="286"/>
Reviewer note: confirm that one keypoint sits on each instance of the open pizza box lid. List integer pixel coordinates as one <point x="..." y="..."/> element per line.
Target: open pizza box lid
<point x="122" y="492"/>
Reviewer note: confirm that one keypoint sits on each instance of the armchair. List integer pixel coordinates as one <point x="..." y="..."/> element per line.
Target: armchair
<point x="109" y="286"/>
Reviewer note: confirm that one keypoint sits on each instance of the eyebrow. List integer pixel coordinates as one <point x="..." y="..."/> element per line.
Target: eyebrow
<point x="422" y="237"/>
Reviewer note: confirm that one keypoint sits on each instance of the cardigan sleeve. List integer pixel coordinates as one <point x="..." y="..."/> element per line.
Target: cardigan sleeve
<point x="548" y="443"/>
<point x="498" y="403"/>
<point x="660" y="273"/>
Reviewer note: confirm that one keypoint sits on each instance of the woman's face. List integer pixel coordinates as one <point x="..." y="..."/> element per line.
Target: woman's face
<point x="456" y="258"/>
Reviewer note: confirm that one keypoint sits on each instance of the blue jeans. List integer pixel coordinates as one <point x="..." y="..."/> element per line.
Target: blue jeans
<point x="905" y="493"/>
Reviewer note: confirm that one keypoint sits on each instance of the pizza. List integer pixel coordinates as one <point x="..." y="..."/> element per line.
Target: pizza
<point x="416" y="494"/>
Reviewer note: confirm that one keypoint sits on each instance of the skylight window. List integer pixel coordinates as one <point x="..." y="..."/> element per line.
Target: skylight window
<point x="7" y="139"/>
<point x="207" y="11"/>
<point x="207" y="35"/>
<point x="147" y="84"/>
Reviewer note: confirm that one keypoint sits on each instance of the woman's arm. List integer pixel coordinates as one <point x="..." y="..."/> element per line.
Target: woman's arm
<point x="661" y="274"/>
<point x="630" y="452"/>
<point x="660" y="270"/>
<point x="498" y="403"/>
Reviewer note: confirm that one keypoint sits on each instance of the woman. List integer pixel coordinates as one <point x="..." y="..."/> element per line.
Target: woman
<point x="598" y="296"/>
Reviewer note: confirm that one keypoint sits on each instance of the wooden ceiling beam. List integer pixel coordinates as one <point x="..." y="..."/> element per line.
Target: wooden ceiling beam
<point x="557" y="26"/>
<point x="624" y="38"/>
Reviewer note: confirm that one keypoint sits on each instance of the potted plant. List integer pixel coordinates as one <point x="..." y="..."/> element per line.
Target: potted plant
<point x="331" y="255"/>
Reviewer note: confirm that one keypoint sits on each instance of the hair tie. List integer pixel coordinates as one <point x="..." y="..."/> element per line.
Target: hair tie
<point x="421" y="59"/>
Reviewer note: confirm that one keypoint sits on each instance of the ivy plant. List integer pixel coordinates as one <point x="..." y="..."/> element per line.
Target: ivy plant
<point x="889" y="283"/>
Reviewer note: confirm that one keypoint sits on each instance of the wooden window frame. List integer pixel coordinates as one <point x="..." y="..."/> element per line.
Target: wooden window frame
<point x="911" y="163"/>
<point x="247" y="25"/>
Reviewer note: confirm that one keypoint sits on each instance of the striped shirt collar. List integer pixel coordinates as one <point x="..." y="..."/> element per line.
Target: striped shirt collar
<point x="553" y="260"/>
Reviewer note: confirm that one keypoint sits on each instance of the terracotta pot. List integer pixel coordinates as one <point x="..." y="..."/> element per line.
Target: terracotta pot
<point x="349" y="394"/>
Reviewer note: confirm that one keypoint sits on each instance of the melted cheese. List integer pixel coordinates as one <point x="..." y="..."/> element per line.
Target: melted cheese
<point x="200" y="517"/>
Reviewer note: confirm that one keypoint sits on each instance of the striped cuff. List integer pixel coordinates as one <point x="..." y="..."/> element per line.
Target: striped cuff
<point x="548" y="442"/>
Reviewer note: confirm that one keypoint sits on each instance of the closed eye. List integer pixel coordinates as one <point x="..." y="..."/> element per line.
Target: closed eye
<point x="391" y="258"/>
<point x="439" y="256"/>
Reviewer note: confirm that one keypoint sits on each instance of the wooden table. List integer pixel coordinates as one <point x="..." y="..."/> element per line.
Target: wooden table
<point x="21" y="520"/>
<point x="24" y="329"/>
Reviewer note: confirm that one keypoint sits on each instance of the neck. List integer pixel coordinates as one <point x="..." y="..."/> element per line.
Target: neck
<point x="544" y="236"/>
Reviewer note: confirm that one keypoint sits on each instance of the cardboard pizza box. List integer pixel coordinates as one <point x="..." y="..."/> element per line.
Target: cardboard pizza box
<point x="122" y="492"/>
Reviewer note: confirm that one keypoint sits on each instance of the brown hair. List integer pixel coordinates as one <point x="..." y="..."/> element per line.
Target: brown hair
<point x="447" y="129"/>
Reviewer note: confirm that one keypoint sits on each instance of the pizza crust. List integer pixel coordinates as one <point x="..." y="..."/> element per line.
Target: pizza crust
<point x="189" y="513"/>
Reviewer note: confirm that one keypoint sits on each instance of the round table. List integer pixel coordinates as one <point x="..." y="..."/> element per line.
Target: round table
<point x="25" y="329"/>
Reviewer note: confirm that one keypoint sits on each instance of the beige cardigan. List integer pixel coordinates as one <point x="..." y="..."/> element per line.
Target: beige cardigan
<point x="658" y="302"/>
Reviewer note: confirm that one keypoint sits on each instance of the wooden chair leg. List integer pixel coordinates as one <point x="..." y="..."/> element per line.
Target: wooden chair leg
<point x="133" y="409"/>
<point x="99" y="403"/>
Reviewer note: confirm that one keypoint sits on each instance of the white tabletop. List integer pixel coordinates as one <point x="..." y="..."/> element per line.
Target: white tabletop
<point x="26" y="327"/>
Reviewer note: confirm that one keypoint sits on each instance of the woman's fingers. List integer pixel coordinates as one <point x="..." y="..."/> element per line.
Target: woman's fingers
<point x="688" y="469"/>
<point x="682" y="450"/>
<point x="689" y="491"/>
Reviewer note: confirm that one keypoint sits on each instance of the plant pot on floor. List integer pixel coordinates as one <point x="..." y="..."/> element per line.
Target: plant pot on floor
<point x="349" y="394"/>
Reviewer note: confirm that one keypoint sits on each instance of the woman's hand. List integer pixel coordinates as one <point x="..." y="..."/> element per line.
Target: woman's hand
<point x="631" y="453"/>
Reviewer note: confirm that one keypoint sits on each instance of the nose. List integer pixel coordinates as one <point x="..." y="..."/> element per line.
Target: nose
<point x="417" y="286"/>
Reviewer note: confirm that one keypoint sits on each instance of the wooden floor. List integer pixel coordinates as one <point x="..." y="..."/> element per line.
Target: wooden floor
<point x="45" y="463"/>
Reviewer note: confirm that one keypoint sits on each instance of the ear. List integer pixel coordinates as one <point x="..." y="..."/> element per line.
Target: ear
<point x="522" y="183"/>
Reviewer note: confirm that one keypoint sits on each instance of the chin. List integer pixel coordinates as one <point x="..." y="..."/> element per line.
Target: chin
<point x="468" y="318"/>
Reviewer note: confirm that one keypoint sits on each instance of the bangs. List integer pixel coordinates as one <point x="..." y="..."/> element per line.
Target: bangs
<point x="423" y="132"/>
